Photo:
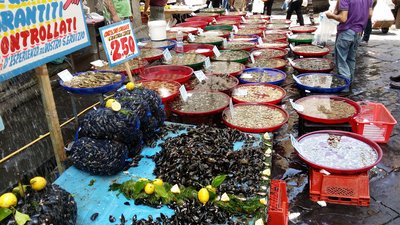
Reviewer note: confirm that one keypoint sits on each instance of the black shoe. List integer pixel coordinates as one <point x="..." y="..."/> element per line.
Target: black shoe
<point x="395" y="78"/>
<point x="395" y="85"/>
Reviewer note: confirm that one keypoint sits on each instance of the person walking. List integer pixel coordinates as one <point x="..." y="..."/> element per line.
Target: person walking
<point x="352" y="16"/>
<point x="268" y="7"/>
<point x="156" y="9"/>
<point x="116" y="10"/>
<point x="295" y="5"/>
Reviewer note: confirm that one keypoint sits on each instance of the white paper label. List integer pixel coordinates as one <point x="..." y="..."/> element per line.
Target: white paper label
<point x="193" y="14"/>
<point x="235" y="29"/>
<point x="98" y="63"/>
<point x="252" y="58"/>
<point x="1" y="124"/>
<point x="200" y="75"/>
<point x="249" y="14"/>
<point x="295" y="106"/>
<point x="224" y="43"/>
<point x="291" y="62"/>
<point x="191" y="37"/>
<point x="240" y="92"/>
<point x="243" y="19"/>
<point x="141" y="44"/>
<point x="200" y="31"/>
<point x="296" y="79"/>
<point x="231" y="109"/>
<point x="260" y="41"/>
<point x="295" y="143"/>
<point x="167" y="55"/>
<point x="217" y="53"/>
<point x="184" y="94"/>
<point x="231" y="35"/>
<point x="226" y="12"/>
<point x="207" y="63"/>
<point x="246" y="75"/>
<point x="210" y="5"/>
<point x="65" y="75"/>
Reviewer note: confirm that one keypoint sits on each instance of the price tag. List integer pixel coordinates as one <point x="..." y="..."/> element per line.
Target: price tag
<point x="249" y="14"/>
<point x="231" y="109"/>
<point x="243" y="19"/>
<point x="217" y="53"/>
<point x="179" y="44"/>
<point x="231" y="35"/>
<point x="167" y="55"/>
<point x="191" y="37"/>
<point x="193" y="14"/>
<point x="226" y="12"/>
<point x="291" y="62"/>
<point x="260" y="41"/>
<point x="142" y="44"/>
<point x="65" y="75"/>
<point x="252" y="58"/>
<point x="184" y="94"/>
<point x="207" y="63"/>
<point x="235" y="29"/>
<point x="295" y="106"/>
<point x="240" y="92"/>
<point x="246" y="75"/>
<point x="2" y="127"/>
<point x="98" y="63"/>
<point x="295" y="143"/>
<point x="210" y="5"/>
<point x="200" y="75"/>
<point x="119" y="42"/>
<point x="224" y="42"/>
<point x="200" y="31"/>
<point x="296" y="79"/>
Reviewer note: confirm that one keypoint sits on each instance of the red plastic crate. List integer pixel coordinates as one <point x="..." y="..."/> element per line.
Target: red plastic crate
<point x="278" y="211"/>
<point x="340" y="189"/>
<point x="374" y="122"/>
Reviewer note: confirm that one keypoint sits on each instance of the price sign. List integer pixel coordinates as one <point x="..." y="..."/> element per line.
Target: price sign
<point x="224" y="43"/>
<point x="200" y="31"/>
<point x="191" y="37"/>
<point x="252" y="58"/>
<point x="296" y="106"/>
<point x="246" y="75"/>
<point x="260" y="41"/>
<point x="243" y="19"/>
<point x="240" y="92"/>
<point x="65" y="75"/>
<point x="295" y="143"/>
<point x="184" y="93"/>
<point x="98" y="63"/>
<point x="217" y="53"/>
<point x="207" y="63"/>
<point x="231" y="35"/>
<point x="119" y="42"/>
<point x="200" y="75"/>
<point x="1" y="124"/>
<point x="167" y="55"/>
<point x="235" y="29"/>
<point x="296" y="79"/>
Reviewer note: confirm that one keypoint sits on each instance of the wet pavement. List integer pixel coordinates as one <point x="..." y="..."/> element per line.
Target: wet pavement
<point x="376" y="63"/>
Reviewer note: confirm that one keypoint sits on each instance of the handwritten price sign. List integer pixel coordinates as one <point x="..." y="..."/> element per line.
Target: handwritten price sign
<point x="119" y="42"/>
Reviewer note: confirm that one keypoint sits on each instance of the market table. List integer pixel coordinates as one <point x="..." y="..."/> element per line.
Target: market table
<point x="92" y="195"/>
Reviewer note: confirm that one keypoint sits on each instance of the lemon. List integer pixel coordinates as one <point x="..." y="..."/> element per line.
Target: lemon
<point x="149" y="188"/>
<point x="38" y="183"/>
<point x="116" y="106"/>
<point x="158" y="182"/>
<point x="8" y="200"/>
<point x="175" y="189"/>
<point x="130" y="86"/>
<point x="203" y="195"/>
<point x="109" y="102"/>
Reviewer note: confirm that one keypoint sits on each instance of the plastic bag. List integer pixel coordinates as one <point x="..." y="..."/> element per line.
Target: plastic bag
<point x="326" y="30"/>
<point x="258" y="6"/>
<point x="382" y="12"/>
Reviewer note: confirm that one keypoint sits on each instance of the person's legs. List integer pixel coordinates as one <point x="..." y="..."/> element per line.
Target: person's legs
<point x="269" y="7"/>
<point x="157" y="13"/>
<point x="351" y="57"/>
<point x="289" y="11"/>
<point x="367" y="31"/>
<point x="345" y="44"/>
<point x="299" y="13"/>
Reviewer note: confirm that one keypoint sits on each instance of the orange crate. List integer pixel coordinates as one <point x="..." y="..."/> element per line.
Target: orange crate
<point x="374" y="122"/>
<point x="278" y="211"/>
<point x="340" y="189"/>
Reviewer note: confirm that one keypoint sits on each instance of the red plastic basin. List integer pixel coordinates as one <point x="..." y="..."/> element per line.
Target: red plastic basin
<point x="197" y="24"/>
<point x="204" y="49"/>
<point x="208" y="19"/>
<point x="176" y="73"/>
<point x="273" y="102"/>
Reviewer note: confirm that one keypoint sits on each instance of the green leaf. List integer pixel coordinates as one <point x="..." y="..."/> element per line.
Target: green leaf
<point x="139" y="186"/>
<point x="4" y="213"/>
<point x="160" y="190"/>
<point x="21" y="218"/>
<point x="218" y="180"/>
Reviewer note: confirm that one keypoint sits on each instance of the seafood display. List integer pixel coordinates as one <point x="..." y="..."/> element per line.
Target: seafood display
<point x="220" y="67"/>
<point x="336" y="151"/>
<point x="239" y="45"/>
<point x="249" y="31"/>
<point x="253" y="116"/>
<point x="200" y="102"/>
<point x="156" y="44"/>
<point x="313" y="65"/>
<point x="274" y="37"/>
<point x="207" y="40"/>
<point x="273" y="44"/>
<point x="322" y="80"/>
<point x="93" y="79"/>
<point x="183" y="59"/>
<point x="232" y="56"/>
<point x="268" y="63"/>
<point x="301" y="37"/>
<point x="261" y="76"/>
<point x="277" y="26"/>
<point x="269" y="53"/>
<point x="164" y="89"/>
<point x="255" y="93"/>
<point x="218" y="82"/>
<point x="326" y="108"/>
<point x="310" y="49"/>
<point x="150" y="53"/>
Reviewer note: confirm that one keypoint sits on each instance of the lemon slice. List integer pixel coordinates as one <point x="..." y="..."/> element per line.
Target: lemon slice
<point x="109" y="102"/>
<point x="116" y="106"/>
<point x="130" y="86"/>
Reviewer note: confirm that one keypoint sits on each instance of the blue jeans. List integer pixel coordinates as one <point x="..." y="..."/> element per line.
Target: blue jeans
<point x="345" y="52"/>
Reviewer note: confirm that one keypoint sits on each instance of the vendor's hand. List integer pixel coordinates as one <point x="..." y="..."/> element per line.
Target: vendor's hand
<point x="329" y="15"/>
<point x="116" y="19"/>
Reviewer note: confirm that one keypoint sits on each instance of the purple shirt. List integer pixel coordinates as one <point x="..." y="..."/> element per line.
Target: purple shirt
<point x="158" y="3"/>
<point x="358" y="13"/>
